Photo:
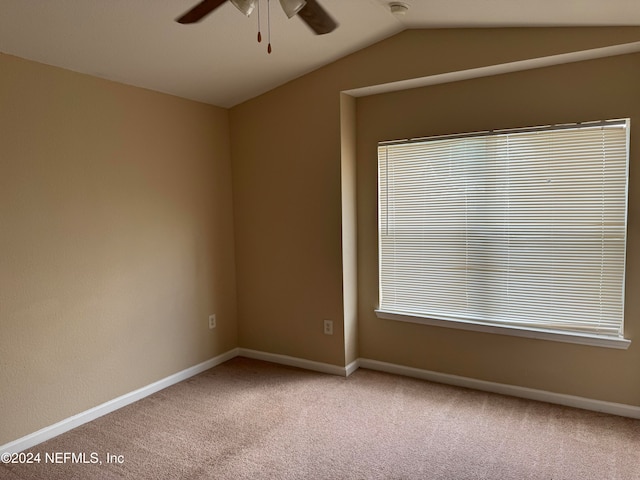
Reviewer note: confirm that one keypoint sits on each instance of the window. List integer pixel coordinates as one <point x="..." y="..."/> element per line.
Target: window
<point x="517" y="231"/>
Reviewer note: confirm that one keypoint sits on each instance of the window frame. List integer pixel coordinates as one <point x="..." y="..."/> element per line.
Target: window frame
<point x="505" y="329"/>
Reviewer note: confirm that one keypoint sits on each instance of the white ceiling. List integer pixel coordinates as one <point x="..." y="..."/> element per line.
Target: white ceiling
<point x="219" y="61"/>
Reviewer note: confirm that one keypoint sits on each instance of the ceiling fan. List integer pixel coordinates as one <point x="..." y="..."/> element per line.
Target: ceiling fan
<point x="309" y="11"/>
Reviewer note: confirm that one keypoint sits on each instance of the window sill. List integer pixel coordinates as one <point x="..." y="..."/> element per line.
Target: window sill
<point x="567" y="337"/>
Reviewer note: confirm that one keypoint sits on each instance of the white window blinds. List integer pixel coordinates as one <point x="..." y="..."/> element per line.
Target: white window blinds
<point x="521" y="228"/>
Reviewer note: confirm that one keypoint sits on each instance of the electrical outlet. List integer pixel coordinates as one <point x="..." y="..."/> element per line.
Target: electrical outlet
<point x="212" y="322"/>
<point x="328" y="327"/>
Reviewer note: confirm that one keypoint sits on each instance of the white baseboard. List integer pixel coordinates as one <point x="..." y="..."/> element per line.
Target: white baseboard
<point x="293" y="362"/>
<point x="353" y="366"/>
<point x="612" y="408"/>
<point x="67" y="424"/>
<point x="70" y="423"/>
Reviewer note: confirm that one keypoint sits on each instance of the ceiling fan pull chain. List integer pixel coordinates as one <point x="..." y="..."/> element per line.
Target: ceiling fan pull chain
<point x="269" y="25"/>
<point x="259" y="34"/>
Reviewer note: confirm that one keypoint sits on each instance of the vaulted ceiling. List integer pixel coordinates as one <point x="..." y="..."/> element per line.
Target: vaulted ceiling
<point x="219" y="60"/>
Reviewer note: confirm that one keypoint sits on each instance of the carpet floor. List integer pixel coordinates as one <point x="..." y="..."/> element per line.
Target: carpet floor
<point x="248" y="419"/>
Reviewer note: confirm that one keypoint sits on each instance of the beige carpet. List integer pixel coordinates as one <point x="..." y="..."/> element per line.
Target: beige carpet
<point x="248" y="419"/>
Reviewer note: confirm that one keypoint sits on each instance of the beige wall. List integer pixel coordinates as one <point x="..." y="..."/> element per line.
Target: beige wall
<point x="117" y="234"/>
<point x="593" y="90"/>
<point x="348" y="174"/>
<point x="290" y="217"/>
<point x="286" y="185"/>
<point x="115" y="241"/>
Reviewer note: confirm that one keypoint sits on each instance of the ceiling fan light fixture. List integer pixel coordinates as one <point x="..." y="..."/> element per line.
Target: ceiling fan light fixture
<point x="291" y="7"/>
<point x="398" y="8"/>
<point x="245" y="6"/>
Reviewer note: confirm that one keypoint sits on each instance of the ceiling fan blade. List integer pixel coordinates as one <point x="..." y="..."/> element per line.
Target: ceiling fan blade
<point x="200" y="11"/>
<point x="317" y="18"/>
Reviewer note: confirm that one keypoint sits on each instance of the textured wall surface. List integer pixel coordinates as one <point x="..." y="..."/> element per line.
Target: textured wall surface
<point x="126" y="215"/>
<point x="116" y="241"/>
<point x="289" y="176"/>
